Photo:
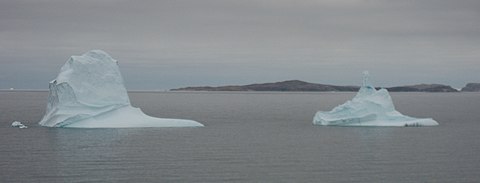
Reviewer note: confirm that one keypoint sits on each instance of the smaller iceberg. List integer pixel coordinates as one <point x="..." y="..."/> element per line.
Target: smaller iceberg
<point x="370" y="107"/>
<point x="89" y="93"/>
<point x="18" y="124"/>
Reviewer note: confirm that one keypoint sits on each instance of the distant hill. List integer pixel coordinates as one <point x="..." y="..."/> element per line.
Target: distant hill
<point x="292" y="85"/>
<point x="471" y="87"/>
<point x="423" y="88"/>
<point x="297" y="85"/>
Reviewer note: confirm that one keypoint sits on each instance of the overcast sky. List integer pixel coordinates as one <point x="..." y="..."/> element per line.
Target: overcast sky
<point x="175" y="43"/>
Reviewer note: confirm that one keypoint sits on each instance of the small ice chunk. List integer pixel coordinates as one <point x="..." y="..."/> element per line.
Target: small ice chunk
<point x="18" y="124"/>
<point x="370" y="107"/>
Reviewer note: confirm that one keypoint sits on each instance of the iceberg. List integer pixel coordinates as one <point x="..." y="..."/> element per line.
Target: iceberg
<point x="18" y="124"/>
<point x="89" y="93"/>
<point x="370" y="107"/>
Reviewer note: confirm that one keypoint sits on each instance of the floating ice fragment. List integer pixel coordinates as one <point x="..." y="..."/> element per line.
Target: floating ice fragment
<point x="370" y="107"/>
<point x="18" y="124"/>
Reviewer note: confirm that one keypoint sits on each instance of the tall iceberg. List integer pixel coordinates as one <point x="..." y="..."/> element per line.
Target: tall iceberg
<point x="89" y="93"/>
<point x="370" y="107"/>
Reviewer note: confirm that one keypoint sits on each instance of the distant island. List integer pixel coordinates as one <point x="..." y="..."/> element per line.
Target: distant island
<point x="471" y="87"/>
<point x="297" y="85"/>
<point x="423" y="88"/>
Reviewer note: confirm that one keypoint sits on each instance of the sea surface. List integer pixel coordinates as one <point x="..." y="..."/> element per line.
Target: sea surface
<point x="248" y="137"/>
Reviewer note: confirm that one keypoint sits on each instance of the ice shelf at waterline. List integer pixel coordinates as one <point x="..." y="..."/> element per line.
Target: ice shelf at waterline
<point x="89" y="93"/>
<point x="370" y="107"/>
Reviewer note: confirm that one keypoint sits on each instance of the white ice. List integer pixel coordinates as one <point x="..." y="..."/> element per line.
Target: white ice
<point x="370" y="107"/>
<point x="89" y="93"/>
<point x="18" y="124"/>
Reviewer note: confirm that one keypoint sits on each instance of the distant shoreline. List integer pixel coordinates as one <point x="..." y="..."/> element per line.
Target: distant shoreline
<point x="295" y="86"/>
<point x="302" y="86"/>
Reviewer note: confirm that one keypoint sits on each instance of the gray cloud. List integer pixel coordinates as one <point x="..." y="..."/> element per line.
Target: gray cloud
<point x="208" y="42"/>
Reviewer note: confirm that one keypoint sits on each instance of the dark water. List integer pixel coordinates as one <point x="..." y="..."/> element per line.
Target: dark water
<point x="249" y="137"/>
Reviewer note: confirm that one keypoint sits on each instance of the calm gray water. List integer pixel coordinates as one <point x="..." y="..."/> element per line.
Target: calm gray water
<point x="249" y="137"/>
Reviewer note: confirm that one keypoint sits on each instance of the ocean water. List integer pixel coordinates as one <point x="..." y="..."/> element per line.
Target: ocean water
<point x="248" y="137"/>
